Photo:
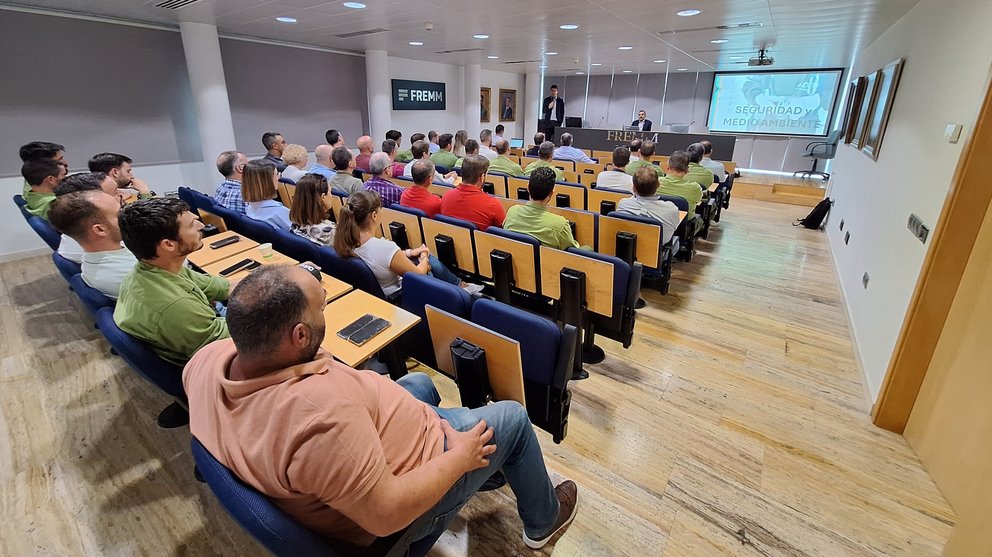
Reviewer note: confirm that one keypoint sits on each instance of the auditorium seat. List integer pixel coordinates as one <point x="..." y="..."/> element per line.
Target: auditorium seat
<point x="420" y="290"/>
<point x="295" y="246"/>
<point x="22" y="206"/>
<point x="45" y="231"/>
<point x="92" y="299"/>
<point x="508" y="287"/>
<point x="351" y="270"/>
<point x="626" y="289"/>
<point x="66" y="268"/>
<point x="688" y="228"/>
<point x="663" y="270"/>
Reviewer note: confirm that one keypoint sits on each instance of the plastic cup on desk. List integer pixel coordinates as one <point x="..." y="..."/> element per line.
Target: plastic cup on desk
<point x="266" y="250"/>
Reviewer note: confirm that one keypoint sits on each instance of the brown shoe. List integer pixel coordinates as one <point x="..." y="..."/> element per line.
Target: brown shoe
<point x="568" y="502"/>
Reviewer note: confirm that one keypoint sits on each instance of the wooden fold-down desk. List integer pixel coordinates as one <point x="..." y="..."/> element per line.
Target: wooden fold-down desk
<point x="207" y="255"/>
<point x="333" y="287"/>
<point x="346" y="309"/>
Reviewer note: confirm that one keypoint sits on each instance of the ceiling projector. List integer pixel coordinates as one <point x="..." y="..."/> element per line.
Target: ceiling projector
<point x="761" y="60"/>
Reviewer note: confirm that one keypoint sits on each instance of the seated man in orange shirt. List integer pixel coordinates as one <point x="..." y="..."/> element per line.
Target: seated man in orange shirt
<point x="417" y="195"/>
<point x="351" y="454"/>
<point x="468" y="202"/>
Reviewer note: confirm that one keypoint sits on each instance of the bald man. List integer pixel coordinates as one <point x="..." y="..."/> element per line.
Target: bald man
<point x="323" y="165"/>
<point x="364" y="153"/>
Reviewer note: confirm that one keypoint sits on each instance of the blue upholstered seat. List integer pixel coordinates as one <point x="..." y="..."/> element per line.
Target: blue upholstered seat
<point x="626" y="289"/>
<point x="295" y="246"/>
<point x="66" y="268"/>
<point x="283" y="180"/>
<point x="93" y="299"/>
<point x="22" y="206"/>
<point x="420" y="290"/>
<point x="45" y="231"/>
<point x="456" y="222"/>
<point x="166" y="376"/>
<point x="351" y="270"/>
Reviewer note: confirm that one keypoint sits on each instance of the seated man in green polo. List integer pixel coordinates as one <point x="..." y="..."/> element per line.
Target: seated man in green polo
<point x="545" y="153"/>
<point x="471" y="148"/>
<point x="697" y="172"/>
<point x="534" y="219"/>
<point x="43" y="176"/>
<point x="502" y="163"/>
<point x="675" y="183"/>
<point x="444" y="157"/>
<point x="162" y="301"/>
<point x="647" y="151"/>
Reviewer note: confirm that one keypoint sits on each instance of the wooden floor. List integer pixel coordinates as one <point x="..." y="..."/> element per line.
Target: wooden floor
<point x="735" y="425"/>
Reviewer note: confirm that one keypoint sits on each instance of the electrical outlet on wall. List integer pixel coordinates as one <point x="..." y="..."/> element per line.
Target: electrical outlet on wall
<point x="842" y="224"/>
<point x="864" y="280"/>
<point x="847" y="237"/>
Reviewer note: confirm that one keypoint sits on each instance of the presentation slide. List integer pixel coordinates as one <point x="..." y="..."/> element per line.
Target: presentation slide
<point x="780" y="102"/>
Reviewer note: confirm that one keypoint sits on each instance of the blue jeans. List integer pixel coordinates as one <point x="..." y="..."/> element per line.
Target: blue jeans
<point x="439" y="271"/>
<point x="518" y="455"/>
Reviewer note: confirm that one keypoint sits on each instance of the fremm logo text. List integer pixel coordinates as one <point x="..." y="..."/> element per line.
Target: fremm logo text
<point x="420" y="95"/>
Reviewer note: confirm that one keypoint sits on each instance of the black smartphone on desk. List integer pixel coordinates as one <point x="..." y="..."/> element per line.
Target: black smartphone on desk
<point x="243" y="265"/>
<point x="363" y="329"/>
<point x="225" y="242"/>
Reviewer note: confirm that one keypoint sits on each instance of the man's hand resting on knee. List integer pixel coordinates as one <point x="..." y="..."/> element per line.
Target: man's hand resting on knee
<point x="470" y="445"/>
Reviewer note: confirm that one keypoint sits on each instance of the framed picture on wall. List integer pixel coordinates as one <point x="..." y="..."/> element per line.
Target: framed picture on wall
<point x="484" y="101"/>
<point x="507" y="105"/>
<point x="888" y="80"/>
<point x="854" y="94"/>
<point x="864" y="110"/>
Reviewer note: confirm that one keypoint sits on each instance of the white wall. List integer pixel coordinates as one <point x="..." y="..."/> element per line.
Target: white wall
<point x="504" y="80"/>
<point x="948" y="53"/>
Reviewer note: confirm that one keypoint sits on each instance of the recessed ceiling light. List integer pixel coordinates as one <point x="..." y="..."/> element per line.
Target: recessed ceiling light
<point x="688" y="13"/>
<point x="416" y="43"/>
<point x="551" y="53"/>
<point x="480" y="36"/>
<point x="625" y="48"/>
<point x="354" y="5"/>
<point x="682" y="69"/>
<point x="660" y="61"/>
<point x="628" y="71"/>
<point x="597" y="64"/>
<point x="568" y="26"/>
<point x="580" y="73"/>
<point x="719" y="41"/>
<point x="493" y="57"/>
<point x="286" y="19"/>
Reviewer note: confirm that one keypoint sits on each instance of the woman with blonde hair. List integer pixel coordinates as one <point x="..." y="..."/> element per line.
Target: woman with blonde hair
<point x="458" y="145"/>
<point x="258" y="188"/>
<point x="309" y="211"/>
<point x="296" y="159"/>
<point x="355" y="236"/>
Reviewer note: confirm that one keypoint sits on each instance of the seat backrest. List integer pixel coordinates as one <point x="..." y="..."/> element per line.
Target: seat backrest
<point x="256" y="513"/>
<point x="19" y="200"/>
<point x="295" y="246"/>
<point x="93" y="299"/>
<point x="679" y="202"/>
<point x="539" y="337"/>
<point x="66" y="268"/>
<point x="420" y="290"/>
<point x="164" y="375"/>
<point x="351" y="270"/>
<point x="22" y="206"/>
<point x="456" y="221"/>
<point x="621" y="273"/>
<point x="45" y="231"/>
<point x="261" y="232"/>
<point x="186" y="194"/>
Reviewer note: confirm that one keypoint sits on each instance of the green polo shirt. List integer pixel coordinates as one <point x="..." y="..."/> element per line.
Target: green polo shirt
<point x="634" y="166"/>
<point x="699" y="174"/>
<point x="38" y="203"/>
<point x="559" y="175"/>
<point x="534" y="219"/>
<point x="446" y="159"/>
<point x="173" y="313"/>
<point x="506" y="166"/>
<point x="680" y="187"/>
<point x="404" y="155"/>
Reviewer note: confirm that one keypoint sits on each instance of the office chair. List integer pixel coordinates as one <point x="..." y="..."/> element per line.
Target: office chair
<point x="819" y="150"/>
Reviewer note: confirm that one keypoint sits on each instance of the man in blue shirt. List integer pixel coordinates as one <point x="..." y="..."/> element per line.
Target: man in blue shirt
<point x="323" y="162"/>
<point x="568" y="153"/>
<point x="230" y="164"/>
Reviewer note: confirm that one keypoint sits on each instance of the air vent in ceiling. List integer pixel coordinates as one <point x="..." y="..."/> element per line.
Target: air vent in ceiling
<point x="363" y="32"/>
<point x="746" y="25"/>
<point x="522" y="61"/>
<point x="175" y="4"/>
<point x="457" y="50"/>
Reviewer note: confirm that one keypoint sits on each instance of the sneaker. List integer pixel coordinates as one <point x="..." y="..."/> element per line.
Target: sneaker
<point x="568" y="502"/>
<point x="472" y="288"/>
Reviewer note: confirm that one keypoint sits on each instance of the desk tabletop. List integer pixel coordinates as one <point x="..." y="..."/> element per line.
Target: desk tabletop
<point x="207" y="255"/>
<point x="332" y="286"/>
<point x="713" y="187"/>
<point x="339" y="313"/>
<point x="682" y="215"/>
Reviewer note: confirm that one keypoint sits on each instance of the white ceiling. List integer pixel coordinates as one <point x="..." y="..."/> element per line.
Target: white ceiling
<point x="798" y="33"/>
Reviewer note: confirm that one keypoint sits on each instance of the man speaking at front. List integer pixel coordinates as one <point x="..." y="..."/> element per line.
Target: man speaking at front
<point x="553" y="112"/>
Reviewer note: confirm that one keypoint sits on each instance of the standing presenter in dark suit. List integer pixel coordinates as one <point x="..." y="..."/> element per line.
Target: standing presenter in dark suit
<point x="642" y="122"/>
<point x="553" y="111"/>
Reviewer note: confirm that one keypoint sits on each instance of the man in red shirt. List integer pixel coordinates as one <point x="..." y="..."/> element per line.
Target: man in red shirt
<point x="364" y="153"/>
<point x="468" y="201"/>
<point x="417" y="195"/>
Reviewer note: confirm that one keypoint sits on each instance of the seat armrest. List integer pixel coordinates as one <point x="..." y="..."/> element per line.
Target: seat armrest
<point x="566" y="357"/>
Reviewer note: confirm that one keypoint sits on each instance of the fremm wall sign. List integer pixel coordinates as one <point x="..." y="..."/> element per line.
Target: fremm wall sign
<point x="418" y="95"/>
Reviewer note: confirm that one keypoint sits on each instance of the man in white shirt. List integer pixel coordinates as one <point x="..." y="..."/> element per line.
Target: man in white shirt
<point x="486" y="144"/>
<point x="635" y="150"/>
<point x="716" y="167"/>
<point x="421" y="151"/>
<point x="617" y="178"/>
<point x="499" y="133"/>
<point x="82" y="181"/>
<point x="90" y="218"/>
<point x="645" y="203"/>
<point x="568" y="153"/>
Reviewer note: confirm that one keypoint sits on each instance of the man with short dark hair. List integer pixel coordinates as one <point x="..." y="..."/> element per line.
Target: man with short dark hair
<point x="401" y="155"/>
<point x="553" y="111"/>
<point x="352" y="455"/>
<point x="418" y="195"/>
<point x="42" y="175"/>
<point x="675" y="183"/>
<point x="642" y="122"/>
<point x="617" y="178"/>
<point x="485" y="144"/>
<point x="421" y="151"/>
<point x="162" y="301"/>
<point x="69" y="248"/>
<point x="533" y="217"/>
<point x="697" y="172"/>
<point x="538" y="140"/>
<point x="274" y="146"/>
<point x="471" y="148"/>
<point x="37" y="150"/>
<point x="231" y="165"/>
<point x="645" y="203"/>
<point x="719" y="171"/>
<point x="89" y="217"/>
<point x="498" y="133"/>
<point x="382" y="169"/>
<point x="647" y="151"/>
<point x="365" y="150"/>
<point x="545" y="153"/>
<point x="468" y="202"/>
<point x="119" y="168"/>
<point x="344" y="167"/>
<point x="444" y="157"/>
<point x="322" y="162"/>
<point x="635" y="150"/>
<point x="568" y="153"/>
<point x="502" y="163"/>
<point x="389" y="147"/>
<point x="334" y="138"/>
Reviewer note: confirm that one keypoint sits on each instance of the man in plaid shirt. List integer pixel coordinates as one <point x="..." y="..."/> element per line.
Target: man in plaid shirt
<point x="230" y="164"/>
<point x="381" y="168"/>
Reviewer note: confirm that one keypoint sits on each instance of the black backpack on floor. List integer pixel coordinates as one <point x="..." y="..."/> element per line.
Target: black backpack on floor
<point x="815" y="217"/>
